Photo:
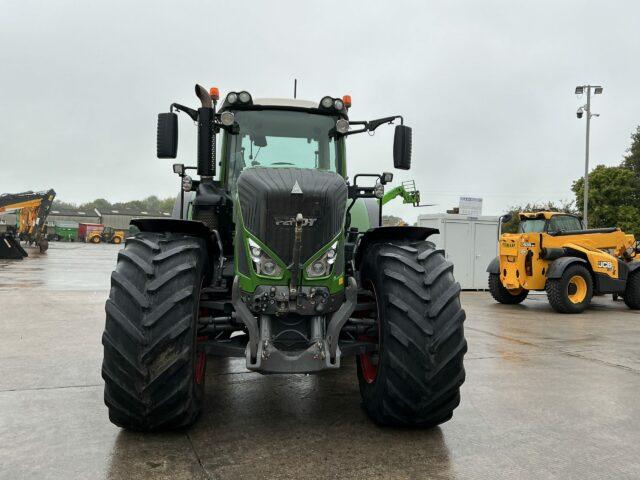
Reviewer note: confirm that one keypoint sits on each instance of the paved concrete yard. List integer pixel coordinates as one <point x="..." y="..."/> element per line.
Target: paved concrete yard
<point x="547" y="396"/>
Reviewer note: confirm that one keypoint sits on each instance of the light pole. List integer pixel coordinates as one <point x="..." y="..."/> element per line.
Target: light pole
<point x="597" y="90"/>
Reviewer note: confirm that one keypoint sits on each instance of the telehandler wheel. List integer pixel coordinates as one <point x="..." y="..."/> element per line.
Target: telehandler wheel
<point x="415" y="377"/>
<point x="503" y="295"/>
<point x="153" y="367"/>
<point x="572" y="292"/>
<point x="43" y="245"/>
<point x="631" y="295"/>
<point x="95" y="239"/>
<point x="117" y="240"/>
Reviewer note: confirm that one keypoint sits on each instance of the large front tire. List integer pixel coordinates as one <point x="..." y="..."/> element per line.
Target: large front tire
<point x="152" y="368"/>
<point x="572" y="292"/>
<point x="419" y="369"/>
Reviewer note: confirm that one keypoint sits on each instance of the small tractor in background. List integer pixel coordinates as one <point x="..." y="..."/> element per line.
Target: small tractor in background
<point x="90" y="232"/>
<point x="552" y="252"/>
<point x="112" y="235"/>
<point x="280" y="259"/>
<point x="33" y="209"/>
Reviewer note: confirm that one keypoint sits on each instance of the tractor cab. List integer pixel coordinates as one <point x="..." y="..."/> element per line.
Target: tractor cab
<point x="549" y="222"/>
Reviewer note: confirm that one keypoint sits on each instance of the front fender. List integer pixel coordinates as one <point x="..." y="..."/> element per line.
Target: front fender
<point x="494" y="266"/>
<point x="384" y="234"/>
<point x="557" y="267"/>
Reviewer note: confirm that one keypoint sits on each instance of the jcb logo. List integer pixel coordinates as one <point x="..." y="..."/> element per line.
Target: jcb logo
<point x="606" y="265"/>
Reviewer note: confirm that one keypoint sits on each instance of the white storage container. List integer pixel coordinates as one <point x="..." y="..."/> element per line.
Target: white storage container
<point x="470" y="243"/>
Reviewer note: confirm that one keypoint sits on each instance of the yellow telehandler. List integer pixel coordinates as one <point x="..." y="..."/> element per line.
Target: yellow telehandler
<point x="553" y="252"/>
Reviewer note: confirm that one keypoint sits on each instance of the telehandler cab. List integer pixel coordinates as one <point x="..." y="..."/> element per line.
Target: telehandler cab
<point x="278" y="259"/>
<point x="552" y="252"/>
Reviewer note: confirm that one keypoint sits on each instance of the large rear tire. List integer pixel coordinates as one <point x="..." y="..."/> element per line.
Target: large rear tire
<point x="153" y="368"/>
<point x="572" y="292"/>
<point x="504" y="295"/>
<point x="419" y="369"/>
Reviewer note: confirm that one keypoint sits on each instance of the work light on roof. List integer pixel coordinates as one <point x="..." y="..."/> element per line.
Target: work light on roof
<point x="244" y="97"/>
<point x="232" y="98"/>
<point x="338" y="104"/>
<point x="326" y="102"/>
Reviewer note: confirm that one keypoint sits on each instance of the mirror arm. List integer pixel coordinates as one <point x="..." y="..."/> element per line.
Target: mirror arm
<point x="371" y="125"/>
<point x="181" y="108"/>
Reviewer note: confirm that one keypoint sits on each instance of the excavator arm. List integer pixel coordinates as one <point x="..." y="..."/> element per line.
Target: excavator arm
<point x="34" y="209"/>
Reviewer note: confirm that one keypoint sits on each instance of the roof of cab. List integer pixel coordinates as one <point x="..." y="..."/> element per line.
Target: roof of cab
<point x="285" y="102"/>
<point x="545" y="214"/>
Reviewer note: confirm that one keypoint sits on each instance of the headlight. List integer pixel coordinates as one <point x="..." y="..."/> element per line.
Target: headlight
<point x="263" y="264"/>
<point x="342" y="125"/>
<point x="232" y="97"/>
<point x="227" y="118"/>
<point x="187" y="183"/>
<point x="378" y="190"/>
<point x="321" y="267"/>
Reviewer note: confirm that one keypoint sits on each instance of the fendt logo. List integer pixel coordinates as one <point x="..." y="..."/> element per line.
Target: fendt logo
<point x="605" y="265"/>
<point x="290" y="221"/>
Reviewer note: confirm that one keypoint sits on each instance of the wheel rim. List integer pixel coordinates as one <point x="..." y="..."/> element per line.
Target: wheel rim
<point x="577" y="289"/>
<point x="515" y="291"/>
<point x="369" y="360"/>
<point x="200" y="363"/>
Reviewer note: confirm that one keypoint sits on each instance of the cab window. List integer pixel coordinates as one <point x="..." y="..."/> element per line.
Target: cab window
<point x="564" y="223"/>
<point x="532" y="225"/>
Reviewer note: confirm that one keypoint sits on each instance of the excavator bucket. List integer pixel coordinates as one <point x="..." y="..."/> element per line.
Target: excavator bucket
<point x="10" y="248"/>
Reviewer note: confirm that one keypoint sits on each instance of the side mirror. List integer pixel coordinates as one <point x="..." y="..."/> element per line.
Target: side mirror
<point x="402" y="147"/>
<point x="506" y="218"/>
<point x="167" y="136"/>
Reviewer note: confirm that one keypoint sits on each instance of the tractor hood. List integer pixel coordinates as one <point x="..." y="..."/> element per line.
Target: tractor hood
<point x="271" y="198"/>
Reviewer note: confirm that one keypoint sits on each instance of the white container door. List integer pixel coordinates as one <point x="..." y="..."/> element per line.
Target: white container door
<point x="485" y="250"/>
<point x="458" y="243"/>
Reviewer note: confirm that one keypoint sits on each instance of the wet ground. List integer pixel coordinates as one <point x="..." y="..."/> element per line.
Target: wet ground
<point x="547" y="396"/>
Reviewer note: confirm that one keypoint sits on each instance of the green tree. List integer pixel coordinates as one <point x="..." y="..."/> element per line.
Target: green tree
<point x="613" y="198"/>
<point x="632" y="158"/>
<point x="512" y="225"/>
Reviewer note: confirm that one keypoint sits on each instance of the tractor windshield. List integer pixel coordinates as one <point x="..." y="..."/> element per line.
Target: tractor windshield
<point x="283" y="138"/>
<point x="532" y="225"/>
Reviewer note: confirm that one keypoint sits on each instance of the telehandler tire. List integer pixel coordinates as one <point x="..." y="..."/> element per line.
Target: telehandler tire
<point x="503" y="295"/>
<point x="572" y="292"/>
<point x="153" y="368"/>
<point x="415" y="378"/>
<point x="631" y="295"/>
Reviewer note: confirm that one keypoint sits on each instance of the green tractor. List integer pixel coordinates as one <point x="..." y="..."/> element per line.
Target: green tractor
<point x="278" y="258"/>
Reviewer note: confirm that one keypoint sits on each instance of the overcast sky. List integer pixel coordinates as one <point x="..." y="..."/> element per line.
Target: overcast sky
<point x="486" y="85"/>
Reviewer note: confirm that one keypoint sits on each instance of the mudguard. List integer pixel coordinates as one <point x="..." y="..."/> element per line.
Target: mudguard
<point x="494" y="266"/>
<point x="188" y="227"/>
<point x="384" y="234"/>
<point x="557" y="267"/>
